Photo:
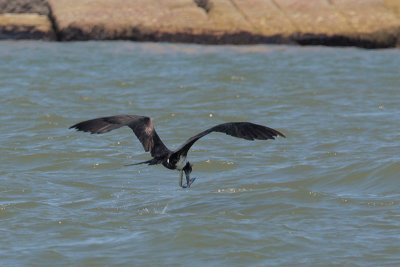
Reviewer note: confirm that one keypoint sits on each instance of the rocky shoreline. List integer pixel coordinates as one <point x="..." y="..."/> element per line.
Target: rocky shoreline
<point x="361" y="23"/>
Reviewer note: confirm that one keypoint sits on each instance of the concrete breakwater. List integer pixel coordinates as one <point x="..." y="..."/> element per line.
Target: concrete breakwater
<point x="362" y="23"/>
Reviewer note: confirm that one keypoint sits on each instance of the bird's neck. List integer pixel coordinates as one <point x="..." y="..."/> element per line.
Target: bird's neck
<point x="175" y="162"/>
<point x="181" y="162"/>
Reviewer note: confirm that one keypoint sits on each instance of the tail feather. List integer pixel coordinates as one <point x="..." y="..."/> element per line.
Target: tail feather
<point x="149" y="162"/>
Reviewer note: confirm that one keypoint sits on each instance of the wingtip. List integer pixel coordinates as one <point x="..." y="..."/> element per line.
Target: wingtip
<point x="76" y="128"/>
<point x="279" y="134"/>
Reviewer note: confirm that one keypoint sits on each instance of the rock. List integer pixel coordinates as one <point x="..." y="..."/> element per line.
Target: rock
<point x="144" y="20"/>
<point x="24" y="6"/>
<point x="372" y="23"/>
<point x="363" y="23"/>
<point x="25" y="26"/>
<point x="25" y="19"/>
<point x="394" y="6"/>
<point x="265" y="17"/>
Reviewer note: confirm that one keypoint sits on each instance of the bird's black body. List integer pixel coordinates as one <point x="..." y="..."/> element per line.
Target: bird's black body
<point x="175" y="160"/>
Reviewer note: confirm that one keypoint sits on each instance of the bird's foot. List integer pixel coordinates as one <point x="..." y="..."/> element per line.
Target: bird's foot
<point x="189" y="183"/>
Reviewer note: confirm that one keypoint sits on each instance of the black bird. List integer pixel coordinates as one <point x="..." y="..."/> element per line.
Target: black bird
<point x="143" y="128"/>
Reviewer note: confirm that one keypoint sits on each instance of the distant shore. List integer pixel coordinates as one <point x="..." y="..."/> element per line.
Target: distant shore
<point x="360" y="23"/>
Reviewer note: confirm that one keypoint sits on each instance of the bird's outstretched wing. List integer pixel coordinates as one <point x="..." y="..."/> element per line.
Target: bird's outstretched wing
<point x="245" y="130"/>
<point x="142" y="127"/>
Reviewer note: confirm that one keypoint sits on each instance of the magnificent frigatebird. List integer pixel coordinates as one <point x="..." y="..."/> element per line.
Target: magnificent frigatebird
<point x="143" y="128"/>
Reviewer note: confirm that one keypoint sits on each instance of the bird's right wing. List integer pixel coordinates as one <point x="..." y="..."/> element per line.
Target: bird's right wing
<point x="245" y="130"/>
<point x="142" y="127"/>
